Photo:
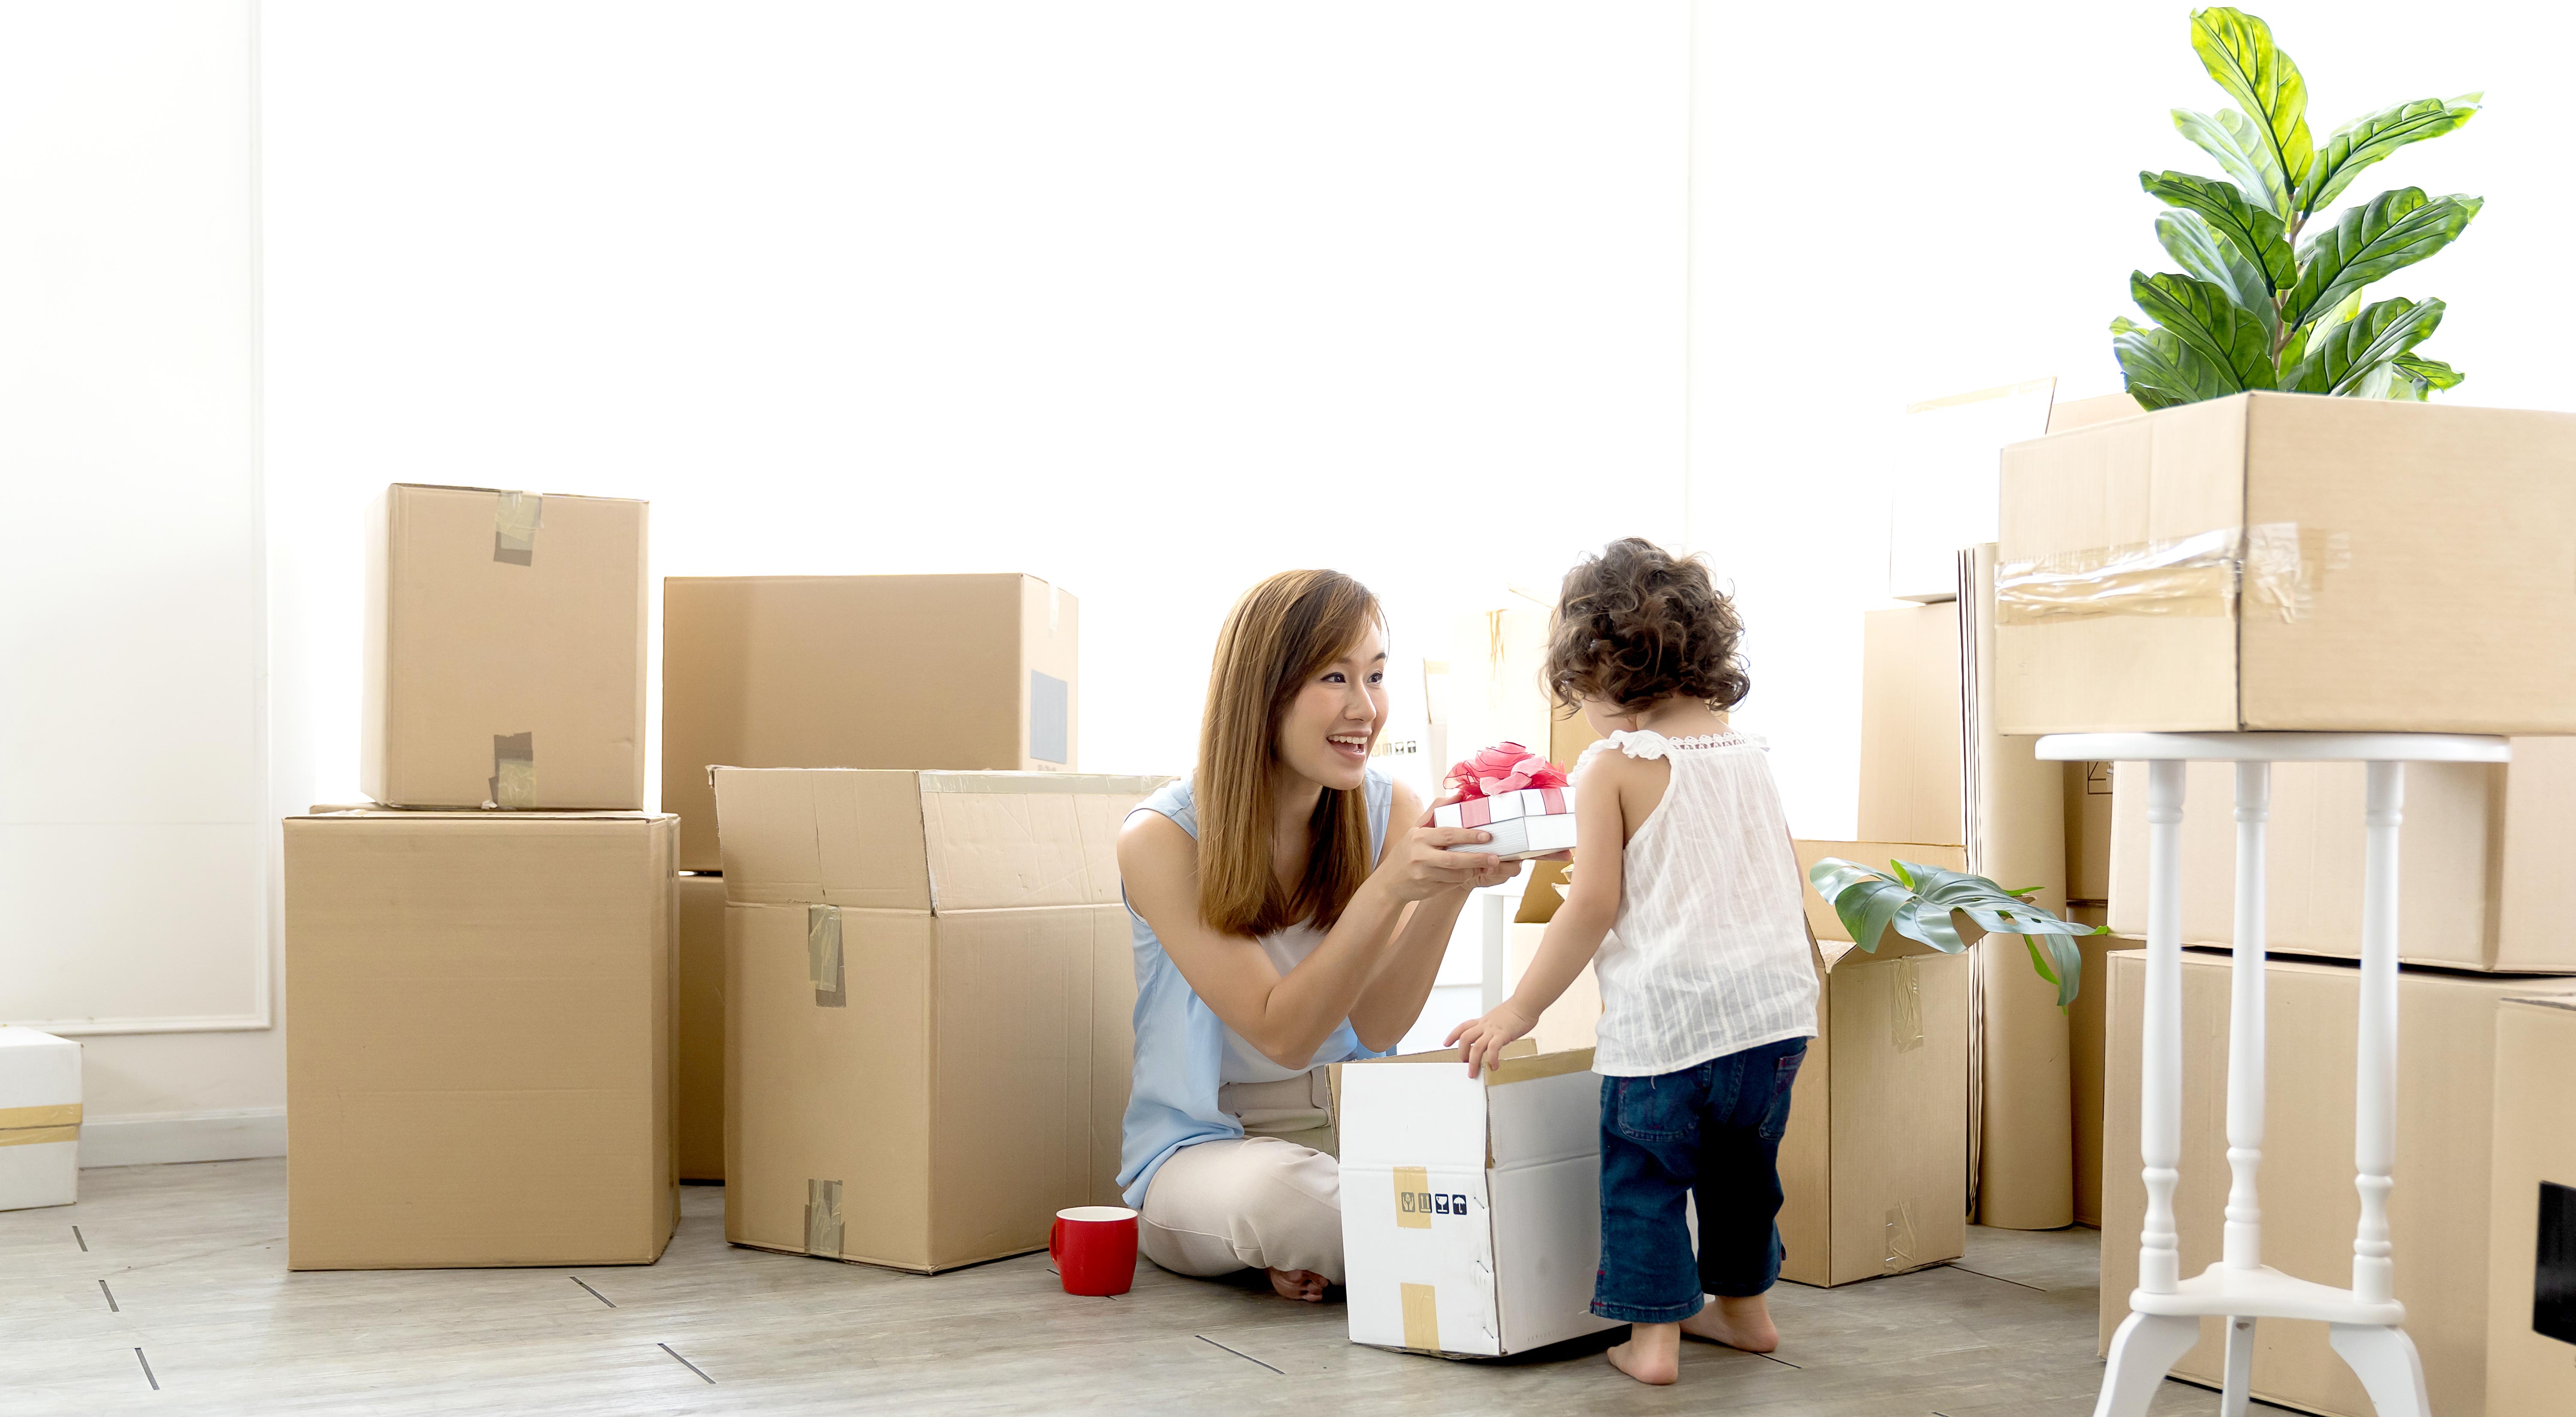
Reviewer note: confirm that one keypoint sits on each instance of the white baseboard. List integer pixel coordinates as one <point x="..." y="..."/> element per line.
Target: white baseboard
<point x="183" y="1136"/>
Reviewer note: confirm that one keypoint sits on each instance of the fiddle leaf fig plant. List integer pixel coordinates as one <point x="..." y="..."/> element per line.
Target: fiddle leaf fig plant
<point x="1917" y="902"/>
<point x="2255" y="306"/>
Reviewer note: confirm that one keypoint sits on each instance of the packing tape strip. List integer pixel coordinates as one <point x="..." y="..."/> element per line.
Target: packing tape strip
<point x="825" y="964"/>
<point x="1421" y="1306"/>
<point x="1900" y="1240"/>
<point x="2276" y="566"/>
<point x="58" y="1114"/>
<point x="31" y="1136"/>
<point x="514" y="771"/>
<point x="515" y="519"/>
<point x="823" y="1218"/>
<point x="1905" y="1008"/>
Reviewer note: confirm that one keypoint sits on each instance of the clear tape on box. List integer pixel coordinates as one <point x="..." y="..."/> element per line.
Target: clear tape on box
<point x="2274" y="565"/>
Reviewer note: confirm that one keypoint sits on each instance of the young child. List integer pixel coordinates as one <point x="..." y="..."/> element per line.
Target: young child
<point x="1686" y="896"/>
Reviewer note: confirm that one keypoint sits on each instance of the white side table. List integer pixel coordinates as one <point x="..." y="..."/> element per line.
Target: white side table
<point x="2366" y="1321"/>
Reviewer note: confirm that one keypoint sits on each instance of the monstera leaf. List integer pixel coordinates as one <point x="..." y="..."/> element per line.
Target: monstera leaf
<point x="2253" y="306"/>
<point x="1923" y="903"/>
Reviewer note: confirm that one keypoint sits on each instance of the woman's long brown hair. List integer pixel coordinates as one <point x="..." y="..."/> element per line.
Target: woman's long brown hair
<point x="1280" y="635"/>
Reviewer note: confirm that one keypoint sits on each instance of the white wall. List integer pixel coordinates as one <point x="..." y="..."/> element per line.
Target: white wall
<point x="135" y="880"/>
<point x="1147" y="299"/>
<point x="1910" y="201"/>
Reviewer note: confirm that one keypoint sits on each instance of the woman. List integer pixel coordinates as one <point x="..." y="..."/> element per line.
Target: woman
<point x="1278" y="929"/>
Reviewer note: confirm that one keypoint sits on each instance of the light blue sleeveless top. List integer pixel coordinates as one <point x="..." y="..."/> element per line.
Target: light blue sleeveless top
<point x="1180" y="1042"/>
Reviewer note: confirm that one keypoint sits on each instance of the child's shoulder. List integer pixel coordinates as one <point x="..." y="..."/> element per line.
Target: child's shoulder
<point x="1622" y="755"/>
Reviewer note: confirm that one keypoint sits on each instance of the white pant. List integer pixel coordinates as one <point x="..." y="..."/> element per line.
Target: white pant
<point x="1258" y="1203"/>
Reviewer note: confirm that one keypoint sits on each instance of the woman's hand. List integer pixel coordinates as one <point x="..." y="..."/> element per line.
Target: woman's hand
<point x="1428" y="860"/>
<point x="1480" y="1041"/>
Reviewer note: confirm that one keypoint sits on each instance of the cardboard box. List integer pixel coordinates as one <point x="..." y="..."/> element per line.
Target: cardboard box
<point x="2482" y="856"/>
<point x="2067" y="414"/>
<point x="504" y="650"/>
<point x="2531" y="1258"/>
<point x="1535" y="821"/>
<point x="2398" y="562"/>
<point x="798" y="671"/>
<point x="1911" y="748"/>
<point x="2438" y="1211"/>
<point x="1471" y="1207"/>
<point x="2088" y="788"/>
<point x="1574" y="1020"/>
<point x="927" y="1053"/>
<point x="40" y="1119"/>
<point x="1875" y="1162"/>
<point x="698" y="1090"/>
<point x="2087" y="1037"/>
<point x="480" y="1067"/>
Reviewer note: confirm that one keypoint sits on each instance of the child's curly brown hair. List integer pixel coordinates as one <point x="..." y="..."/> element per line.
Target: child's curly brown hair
<point x="1635" y="624"/>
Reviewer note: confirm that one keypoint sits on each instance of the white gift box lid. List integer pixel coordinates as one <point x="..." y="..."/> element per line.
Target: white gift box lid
<point x="37" y="1069"/>
<point x="1528" y="802"/>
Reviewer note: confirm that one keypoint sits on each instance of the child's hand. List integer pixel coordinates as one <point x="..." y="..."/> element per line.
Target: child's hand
<point x="1484" y="1038"/>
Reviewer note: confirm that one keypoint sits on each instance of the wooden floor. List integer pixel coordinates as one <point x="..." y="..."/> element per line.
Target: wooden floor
<point x="185" y="1271"/>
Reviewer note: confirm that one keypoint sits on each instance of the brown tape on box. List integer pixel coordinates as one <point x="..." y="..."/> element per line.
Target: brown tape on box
<point x="823" y="1218"/>
<point x="823" y="958"/>
<point x="1421" y="1316"/>
<point x="515" y="519"/>
<point x="52" y="1114"/>
<point x="1413" y="1197"/>
<point x="30" y="1136"/>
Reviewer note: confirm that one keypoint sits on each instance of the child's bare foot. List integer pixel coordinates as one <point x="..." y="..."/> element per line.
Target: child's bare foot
<point x="1298" y="1284"/>
<point x="1738" y="1323"/>
<point x="1652" y="1354"/>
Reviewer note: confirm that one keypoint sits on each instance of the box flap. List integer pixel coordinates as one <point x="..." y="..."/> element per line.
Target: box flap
<point x="831" y="836"/>
<point x="1012" y="840"/>
<point x="1550" y="1115"/>
<point x="1412" y="1116"/>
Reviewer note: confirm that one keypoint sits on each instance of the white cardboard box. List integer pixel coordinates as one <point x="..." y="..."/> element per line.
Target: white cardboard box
<point x="1471" y="1207"/>
<point x="1531" y="822"/>
<point x="40" y="1113"/>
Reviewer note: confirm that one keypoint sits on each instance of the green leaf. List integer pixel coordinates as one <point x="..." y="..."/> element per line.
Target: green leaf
<point x="2345" y="356"/>
<point x="2388" y="233"/>
<point x="2295" y="348"/>
<point x="2187" y="237"/>
<point x="2237" y="143"/>
<point x="1917" y="920"/>
<point x="2256" y="233"/>
<point x="2039" y="961"/>
<point x="2428" y="376"/>
<point x="2363" y="141"/>
<point x="2205" y="318"/>
<point x="2238" y="52"/>
<point x="1862" y="899"/>
<point x="2162" y="371"/>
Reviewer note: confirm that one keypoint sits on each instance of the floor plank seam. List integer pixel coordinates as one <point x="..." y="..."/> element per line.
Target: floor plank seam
<point x="147" y="1370"/>
<point x="685" y="1363"/>
<point x="111" y="1301"/>
<point x="1203" y="1338"/>
<point x="577" y="1279"/>
<point x="76" y="1239"/>
<point x="1999" y="1279"/>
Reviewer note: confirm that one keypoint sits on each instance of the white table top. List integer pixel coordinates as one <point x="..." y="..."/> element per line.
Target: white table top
<point x="2275" y="747"/>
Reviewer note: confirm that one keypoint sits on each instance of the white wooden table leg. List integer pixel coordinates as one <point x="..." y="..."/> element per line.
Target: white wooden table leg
<point x="2239" y="1388"/>
<point x="2143" y="1349"/>
<point x="2375" y="1100"/>
<point x="2160" y="1053"/>
<point x="2389" y="1368"/>
<point x="2244" y="1241"/>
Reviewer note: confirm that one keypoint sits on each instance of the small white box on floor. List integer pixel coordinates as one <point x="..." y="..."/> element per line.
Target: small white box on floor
<point x="1471" y="1207"/>
<point x="1534" y="821"/>
<point x="40" y="1113"/>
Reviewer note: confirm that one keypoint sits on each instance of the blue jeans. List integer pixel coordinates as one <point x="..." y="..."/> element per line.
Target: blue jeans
<point x="1713" y="1131"/>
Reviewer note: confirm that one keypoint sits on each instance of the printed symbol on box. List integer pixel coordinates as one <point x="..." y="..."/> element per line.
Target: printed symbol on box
<point x="1413" y="1197"/>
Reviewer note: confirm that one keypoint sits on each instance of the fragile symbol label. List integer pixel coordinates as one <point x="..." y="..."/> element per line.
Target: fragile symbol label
<point x="1416" y="1202"/>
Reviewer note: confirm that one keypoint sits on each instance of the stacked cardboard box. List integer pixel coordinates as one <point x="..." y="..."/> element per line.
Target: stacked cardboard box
<point x="2448" y="1094"/>
<point x="480" y="1068"/>
<point x="1874" y="1167"/>
<point x="928" y="992"/>
<point x="505" y="636"/>
<point x="480" y="968"/>
<point x="2531" y="1254"/>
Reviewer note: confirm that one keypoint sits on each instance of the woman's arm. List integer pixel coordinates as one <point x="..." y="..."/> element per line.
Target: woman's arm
<point x="1575" y="932"/>
<point x="1288" y="1017"/>
<point x="1393" y="998"/>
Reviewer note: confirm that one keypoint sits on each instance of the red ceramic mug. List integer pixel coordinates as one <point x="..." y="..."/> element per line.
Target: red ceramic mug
<point x="1094" y="1248"/>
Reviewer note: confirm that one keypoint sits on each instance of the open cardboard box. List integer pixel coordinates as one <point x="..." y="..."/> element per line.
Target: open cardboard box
<point x="1471" y="1207"/>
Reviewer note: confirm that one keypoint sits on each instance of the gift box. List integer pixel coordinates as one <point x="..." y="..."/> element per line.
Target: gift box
<point x="1534" y="821"/>
<point x="1519" y="796"/>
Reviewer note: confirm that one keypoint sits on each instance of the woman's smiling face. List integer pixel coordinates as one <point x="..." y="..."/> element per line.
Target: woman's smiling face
<point x="1328" y="728"/>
